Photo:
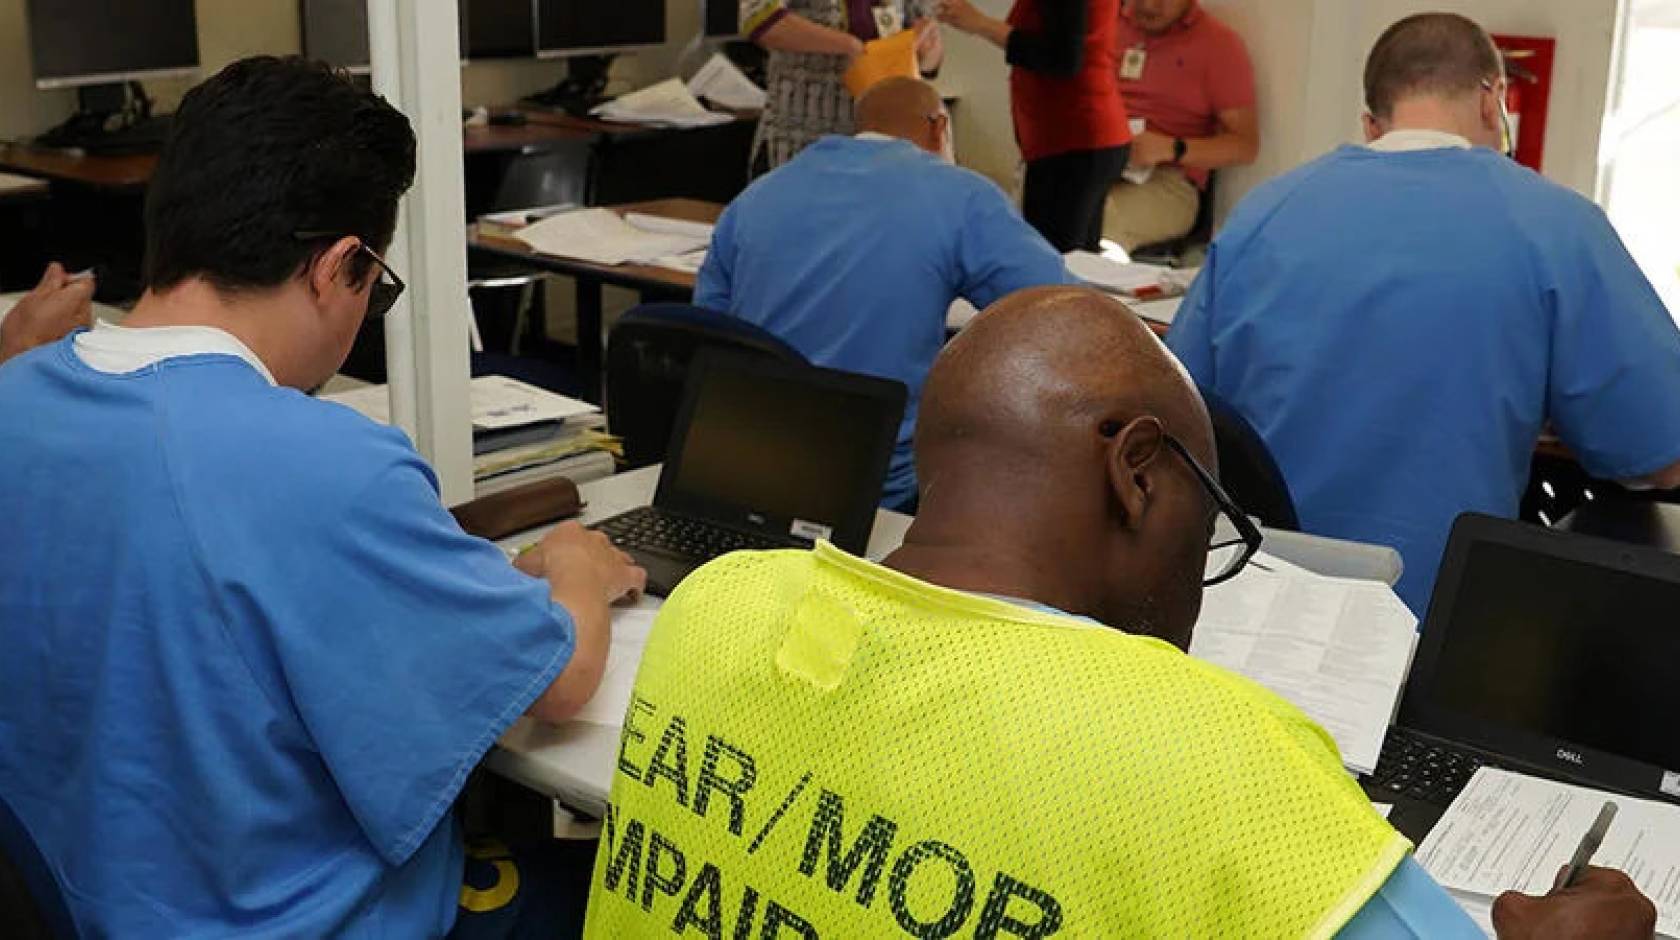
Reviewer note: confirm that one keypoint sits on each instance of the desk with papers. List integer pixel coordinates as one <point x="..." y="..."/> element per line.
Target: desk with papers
<point x="574" y="762"/>
<point x="652" y="281"/>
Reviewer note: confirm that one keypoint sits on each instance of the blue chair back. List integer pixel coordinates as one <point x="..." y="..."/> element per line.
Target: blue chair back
<point x="648" y="354"/>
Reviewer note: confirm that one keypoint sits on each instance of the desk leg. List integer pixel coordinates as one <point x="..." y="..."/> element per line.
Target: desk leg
<point x="589" y="340"/>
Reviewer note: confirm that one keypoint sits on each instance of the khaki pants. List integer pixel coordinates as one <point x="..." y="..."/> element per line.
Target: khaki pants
<point x="1163" y="208"/>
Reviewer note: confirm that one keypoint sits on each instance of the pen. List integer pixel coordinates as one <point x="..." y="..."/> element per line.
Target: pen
<point x="1589" y="844"/>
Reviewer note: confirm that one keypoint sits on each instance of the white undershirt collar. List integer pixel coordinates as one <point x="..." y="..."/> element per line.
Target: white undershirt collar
<point x="117" y="350"/>
<point x="1407" y="140"/>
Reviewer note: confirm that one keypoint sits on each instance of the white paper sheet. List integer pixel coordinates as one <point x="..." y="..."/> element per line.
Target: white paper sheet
<point x="603" y="237"/>
<point x="1508" y="831"/>
<point x="498" y="402"/>
<point x="665" y="225"/>
<point x="666" y="104"/>
<point x="1338" y="649"/>
<point x="722" y="83"/>
<point x="1113" y="276"/>
<point x="630" y="626"/>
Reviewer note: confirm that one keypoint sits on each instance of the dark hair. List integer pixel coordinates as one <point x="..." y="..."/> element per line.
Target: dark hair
<point x="1430" y="53"/>
<point x="265" y="149"/>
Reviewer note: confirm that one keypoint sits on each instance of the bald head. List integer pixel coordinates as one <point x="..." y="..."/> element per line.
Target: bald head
<point x="907" y="108"/>
<point x="1044" y="447"/>
<point x="1045" y="364"/>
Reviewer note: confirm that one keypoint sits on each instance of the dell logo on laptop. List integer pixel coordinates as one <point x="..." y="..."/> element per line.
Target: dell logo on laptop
<point x="1574" y="757"/>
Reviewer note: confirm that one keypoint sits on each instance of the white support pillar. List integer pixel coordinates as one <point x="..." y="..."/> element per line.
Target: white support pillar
<point x="415" y="47"/>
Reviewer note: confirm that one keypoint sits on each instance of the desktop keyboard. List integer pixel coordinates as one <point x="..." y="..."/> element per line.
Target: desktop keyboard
<point x="649" y="529"/>
<point x="1428" y="770"/>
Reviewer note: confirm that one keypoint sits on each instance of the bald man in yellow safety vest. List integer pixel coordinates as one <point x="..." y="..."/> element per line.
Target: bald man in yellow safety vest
<point x="996" y="733"/>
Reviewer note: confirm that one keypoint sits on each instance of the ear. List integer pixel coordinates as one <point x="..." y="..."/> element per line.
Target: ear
<point x="330" y="274"/>
<point x="1373" y="127"/>
<point x="1131" y="466"/>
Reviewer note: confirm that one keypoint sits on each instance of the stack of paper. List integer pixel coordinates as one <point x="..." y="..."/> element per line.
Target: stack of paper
<point x="603" y="237"/>
<point x="726" y="86"/>
<point x="581" y="454"/>
<point x="1511" y="832"/>
<point x="667" y="104"/>
<point x="1338" y="649"/>
<point x="498" y="403"/>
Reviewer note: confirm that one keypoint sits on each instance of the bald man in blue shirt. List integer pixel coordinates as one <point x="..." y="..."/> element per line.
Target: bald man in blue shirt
<point x="854" y="250"/>
<point x="1400" y="320"/>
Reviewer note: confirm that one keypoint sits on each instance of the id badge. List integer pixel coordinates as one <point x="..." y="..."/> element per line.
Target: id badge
<point x="1132" y="63"/>
<point x="889" y="20"/>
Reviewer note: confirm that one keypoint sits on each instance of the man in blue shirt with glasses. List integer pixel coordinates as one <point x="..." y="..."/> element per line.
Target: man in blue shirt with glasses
<point x="249" y="658"/>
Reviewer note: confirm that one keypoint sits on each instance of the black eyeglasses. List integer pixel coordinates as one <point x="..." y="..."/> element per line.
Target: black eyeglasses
<point x="386" y="289"/>
<point x="1227" y="558"/>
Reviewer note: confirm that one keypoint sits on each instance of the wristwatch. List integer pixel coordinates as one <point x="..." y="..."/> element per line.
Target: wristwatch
<point x="1180" y="147"/>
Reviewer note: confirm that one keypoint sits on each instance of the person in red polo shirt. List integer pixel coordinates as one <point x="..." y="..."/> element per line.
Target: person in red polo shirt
<point x="1188" y="78"/>
<point x="1069" y="118"/>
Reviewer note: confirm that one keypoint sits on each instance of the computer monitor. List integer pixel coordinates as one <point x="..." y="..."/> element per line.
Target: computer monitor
<point x="585" y="27"/>
<point x="722" y="18"/>
<point x="336" y="31"/>
<point x="500" y="29"/>
<point x="100" y="42"/>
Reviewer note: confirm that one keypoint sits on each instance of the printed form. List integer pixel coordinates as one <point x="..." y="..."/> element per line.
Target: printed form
<point x="1512" y="832"/>
<point x="1336" y="648"/>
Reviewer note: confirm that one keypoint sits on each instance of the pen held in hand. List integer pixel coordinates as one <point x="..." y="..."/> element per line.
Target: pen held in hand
<point x="1589" y="844"/>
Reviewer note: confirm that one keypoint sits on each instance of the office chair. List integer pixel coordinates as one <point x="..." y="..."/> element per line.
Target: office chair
<point x="648" y="353"/>
<point x="1247" y="469"/>
<point x="1172" y="252"/>
<point x="31" y="904"/>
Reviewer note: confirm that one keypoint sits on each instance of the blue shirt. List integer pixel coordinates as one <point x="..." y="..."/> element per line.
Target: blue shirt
<point x="853" y="252"/>
<point x="1409" y="904"/>
<point x="1399" y="326"/>
<point x="249" y="659"/>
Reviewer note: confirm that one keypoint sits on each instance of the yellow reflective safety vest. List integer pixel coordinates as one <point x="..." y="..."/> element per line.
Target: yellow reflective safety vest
<point x="818" y="746"/>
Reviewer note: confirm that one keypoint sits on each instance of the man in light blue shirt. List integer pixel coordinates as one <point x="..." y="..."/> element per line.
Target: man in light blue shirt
<point x="1400" y="320"/>
<point x="853" y="252"/>
<point x="249" y="658"/>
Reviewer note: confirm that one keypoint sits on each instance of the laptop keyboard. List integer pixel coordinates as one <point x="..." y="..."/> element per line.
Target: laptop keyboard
<point x="648" y="529"/>
<point x="1415" y="766"/>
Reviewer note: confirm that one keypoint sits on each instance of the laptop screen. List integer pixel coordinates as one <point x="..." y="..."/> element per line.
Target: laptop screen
<point x="784" y="450"/>
<point x="1558" y="650"/>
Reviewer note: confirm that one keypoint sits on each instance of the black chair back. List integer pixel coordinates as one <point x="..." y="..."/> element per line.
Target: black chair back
<point x="31" y="903"/>
<point x="648" y="353"/>
<point x="1247" y="470"/>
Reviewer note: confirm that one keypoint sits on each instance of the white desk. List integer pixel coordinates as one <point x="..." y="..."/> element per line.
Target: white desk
<point x="574" y="762"/>
<point x="13" y="186"/>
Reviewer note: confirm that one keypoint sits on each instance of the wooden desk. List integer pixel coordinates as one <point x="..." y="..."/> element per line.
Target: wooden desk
<point x="650" y="282"/>
<point x="99" y="172"/>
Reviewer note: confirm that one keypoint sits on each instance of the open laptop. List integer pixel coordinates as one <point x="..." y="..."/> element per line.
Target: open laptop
<point x="764" y="454"/>
<point x="1544" y="652"/>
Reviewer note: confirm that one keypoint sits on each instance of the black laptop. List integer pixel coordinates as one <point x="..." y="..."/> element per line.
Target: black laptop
<point x="764" y="454"/>
<point x="1545" y="652"/>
